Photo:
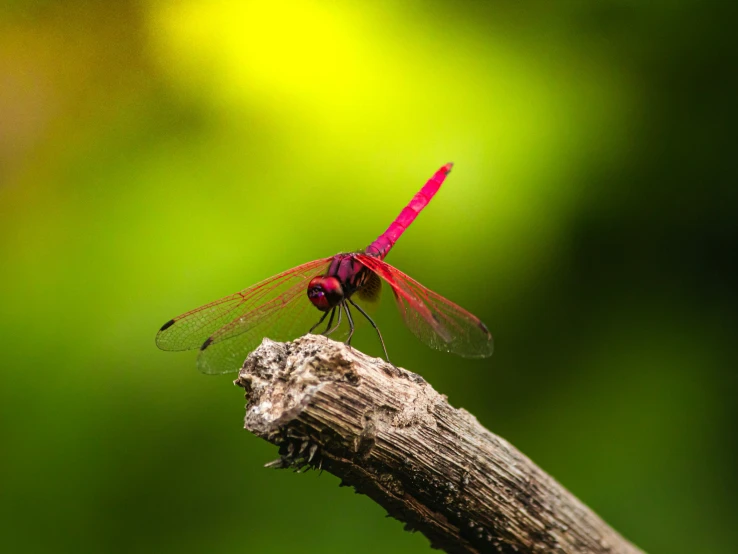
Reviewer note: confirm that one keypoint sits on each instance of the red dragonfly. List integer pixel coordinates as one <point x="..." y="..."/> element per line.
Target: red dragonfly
<point x="282" y="307"/>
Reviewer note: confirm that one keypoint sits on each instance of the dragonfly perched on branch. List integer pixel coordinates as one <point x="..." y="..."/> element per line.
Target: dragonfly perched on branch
<point x="284" y="306"/>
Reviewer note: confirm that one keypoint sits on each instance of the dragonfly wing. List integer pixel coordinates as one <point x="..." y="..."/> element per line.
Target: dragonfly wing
<point x="436" y="321"/>
<point x="191" y="329"/>
<point x="284" y="317"/>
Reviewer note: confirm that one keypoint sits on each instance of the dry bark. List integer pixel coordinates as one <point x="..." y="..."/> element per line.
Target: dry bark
<point x="387" y="432"/>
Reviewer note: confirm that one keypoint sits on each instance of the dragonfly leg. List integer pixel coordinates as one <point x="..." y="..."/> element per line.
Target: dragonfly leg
<point x="351" y="322"/>
<point x="321" y="321"/>
<point x="366" y="315"/>
<point x="330" y="321"/>
<point x="337" y="325"/>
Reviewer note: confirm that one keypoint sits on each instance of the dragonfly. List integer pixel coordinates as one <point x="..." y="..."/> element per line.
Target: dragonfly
<point x="284" y="306"/>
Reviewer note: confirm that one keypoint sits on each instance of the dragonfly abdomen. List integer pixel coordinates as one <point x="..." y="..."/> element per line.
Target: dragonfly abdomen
<point x="382" y="245"/>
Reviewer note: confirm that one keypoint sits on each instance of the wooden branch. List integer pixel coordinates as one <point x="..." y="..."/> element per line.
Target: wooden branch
<point x="387" y="432"/>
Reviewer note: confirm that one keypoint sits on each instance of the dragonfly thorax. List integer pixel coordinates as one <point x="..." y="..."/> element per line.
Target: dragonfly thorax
<point x="325" y="292"/>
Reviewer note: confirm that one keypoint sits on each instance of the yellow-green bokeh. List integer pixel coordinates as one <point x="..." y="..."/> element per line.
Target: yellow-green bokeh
<point x="157" y="155"/>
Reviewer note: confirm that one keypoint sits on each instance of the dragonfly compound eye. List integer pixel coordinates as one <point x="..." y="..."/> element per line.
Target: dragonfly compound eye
<point x="325" y="292"/>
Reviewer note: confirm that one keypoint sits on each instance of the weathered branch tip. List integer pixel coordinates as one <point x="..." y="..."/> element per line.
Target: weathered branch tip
<point x="387" y="432"/>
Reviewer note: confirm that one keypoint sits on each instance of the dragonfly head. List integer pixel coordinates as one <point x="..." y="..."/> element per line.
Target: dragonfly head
<point x="325" y="292"/>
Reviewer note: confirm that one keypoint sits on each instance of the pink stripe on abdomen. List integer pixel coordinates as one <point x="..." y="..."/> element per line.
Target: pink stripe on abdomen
<point x="387" y="240"/>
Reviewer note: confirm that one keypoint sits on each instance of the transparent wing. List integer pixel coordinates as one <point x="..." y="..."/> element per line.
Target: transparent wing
<point x="436" y="321"/>
<point x="240" y="313"/>
<point x="280" y="323"/>
<point x="284" y="318"/>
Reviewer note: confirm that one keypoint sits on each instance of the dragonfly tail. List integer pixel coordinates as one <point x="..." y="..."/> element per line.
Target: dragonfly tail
<point x="384" y="243"/>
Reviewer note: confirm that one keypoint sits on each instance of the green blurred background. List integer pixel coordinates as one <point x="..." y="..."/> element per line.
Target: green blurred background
<point x="156" y="155"/>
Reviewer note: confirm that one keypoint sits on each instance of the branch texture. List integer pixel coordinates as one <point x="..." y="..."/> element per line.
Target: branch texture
<point x="387" y="432"/>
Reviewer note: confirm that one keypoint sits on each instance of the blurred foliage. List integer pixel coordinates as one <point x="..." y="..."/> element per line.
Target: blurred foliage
<point x="157" y="155"/>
